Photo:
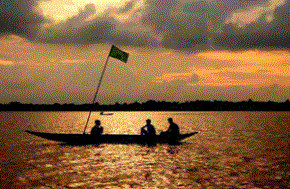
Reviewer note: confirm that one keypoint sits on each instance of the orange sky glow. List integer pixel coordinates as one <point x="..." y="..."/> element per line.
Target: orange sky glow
<point x="252" y="68"/>
<point x="174" y="55"/>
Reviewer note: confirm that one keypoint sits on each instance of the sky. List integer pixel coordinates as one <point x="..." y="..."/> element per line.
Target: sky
<point x="53" y="51"/>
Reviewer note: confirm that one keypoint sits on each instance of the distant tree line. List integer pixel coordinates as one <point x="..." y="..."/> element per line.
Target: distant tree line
<point x="151" y="105"/>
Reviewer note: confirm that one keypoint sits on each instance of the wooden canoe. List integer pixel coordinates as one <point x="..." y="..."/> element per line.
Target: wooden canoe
<point x="108" y="138"/>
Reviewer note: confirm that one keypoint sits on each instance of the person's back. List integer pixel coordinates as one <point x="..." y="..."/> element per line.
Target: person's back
<point x="173" y="129"/>
<point x="97" y="130"/>
<point x="148" y="129"/>
<point x="151" y="130"/>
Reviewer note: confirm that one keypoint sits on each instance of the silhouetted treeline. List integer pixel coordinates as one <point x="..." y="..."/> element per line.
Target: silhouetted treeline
<point x="154" y="106"/>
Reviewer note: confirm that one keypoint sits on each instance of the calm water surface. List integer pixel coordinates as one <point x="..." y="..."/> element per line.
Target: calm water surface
<point x="232" y="150"/>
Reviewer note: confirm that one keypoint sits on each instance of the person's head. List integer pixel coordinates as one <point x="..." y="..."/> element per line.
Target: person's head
<point x="148" y="121"/>
<point x="170" y="120"/>
<point x="98" y="122"/>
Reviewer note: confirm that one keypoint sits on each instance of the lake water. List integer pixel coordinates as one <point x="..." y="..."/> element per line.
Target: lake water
<point x="232" y="150"/>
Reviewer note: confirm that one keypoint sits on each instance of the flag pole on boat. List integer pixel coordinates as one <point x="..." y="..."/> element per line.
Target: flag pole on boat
<point x="115" y="53"/>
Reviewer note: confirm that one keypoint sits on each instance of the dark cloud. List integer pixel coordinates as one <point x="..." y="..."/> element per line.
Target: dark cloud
<point x="102" y="29"/>
<point x="77" y="30"/>
<point x="187" y="25"/>
<point x="19" y="17"/>
<point x="127" y="7"/>
<point x="180" y="27"/>
<point x="259" y="34"/>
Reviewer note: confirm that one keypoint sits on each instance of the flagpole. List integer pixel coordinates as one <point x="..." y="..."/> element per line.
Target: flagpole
<point x="98" y="87"/>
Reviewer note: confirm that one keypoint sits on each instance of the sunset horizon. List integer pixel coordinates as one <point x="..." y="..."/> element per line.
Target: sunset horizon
<point x="54" y="51"/>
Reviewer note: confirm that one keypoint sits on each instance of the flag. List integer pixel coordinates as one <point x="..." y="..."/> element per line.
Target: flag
<point x="118" y="54"/>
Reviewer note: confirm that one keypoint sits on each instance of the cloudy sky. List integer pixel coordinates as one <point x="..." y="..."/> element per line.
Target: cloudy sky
<point x="54" y="50"/>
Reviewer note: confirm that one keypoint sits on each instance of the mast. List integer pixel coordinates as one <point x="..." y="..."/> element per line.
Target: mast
<point x="98" y="87"/>
<point x="115" y="53"/>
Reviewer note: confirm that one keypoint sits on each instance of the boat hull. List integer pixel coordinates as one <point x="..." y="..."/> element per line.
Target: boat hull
<point x="108" y="138"/>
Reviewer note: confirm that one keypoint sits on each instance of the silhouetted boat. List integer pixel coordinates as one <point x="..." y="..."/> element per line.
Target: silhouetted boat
<point x="108" y="138"/>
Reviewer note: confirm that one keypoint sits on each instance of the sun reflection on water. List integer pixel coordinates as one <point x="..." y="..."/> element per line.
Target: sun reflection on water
<point x="232" y="150"/>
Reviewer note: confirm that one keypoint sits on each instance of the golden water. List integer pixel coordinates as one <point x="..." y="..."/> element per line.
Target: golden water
<point x="232" y="150"/>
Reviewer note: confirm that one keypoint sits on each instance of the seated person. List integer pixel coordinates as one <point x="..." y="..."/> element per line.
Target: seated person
<point x="97" y="130"/>
<point x="173" y="129"/>
<point x="148" y="129"/>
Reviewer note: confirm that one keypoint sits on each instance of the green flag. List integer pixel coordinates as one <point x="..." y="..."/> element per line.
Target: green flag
<point x="118" y="54"/>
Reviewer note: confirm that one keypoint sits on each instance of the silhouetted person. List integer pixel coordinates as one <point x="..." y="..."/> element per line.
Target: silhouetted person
<point x="173" y="129"/>
<point x="148" y="129"/>
<point x="97" y="130"/>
